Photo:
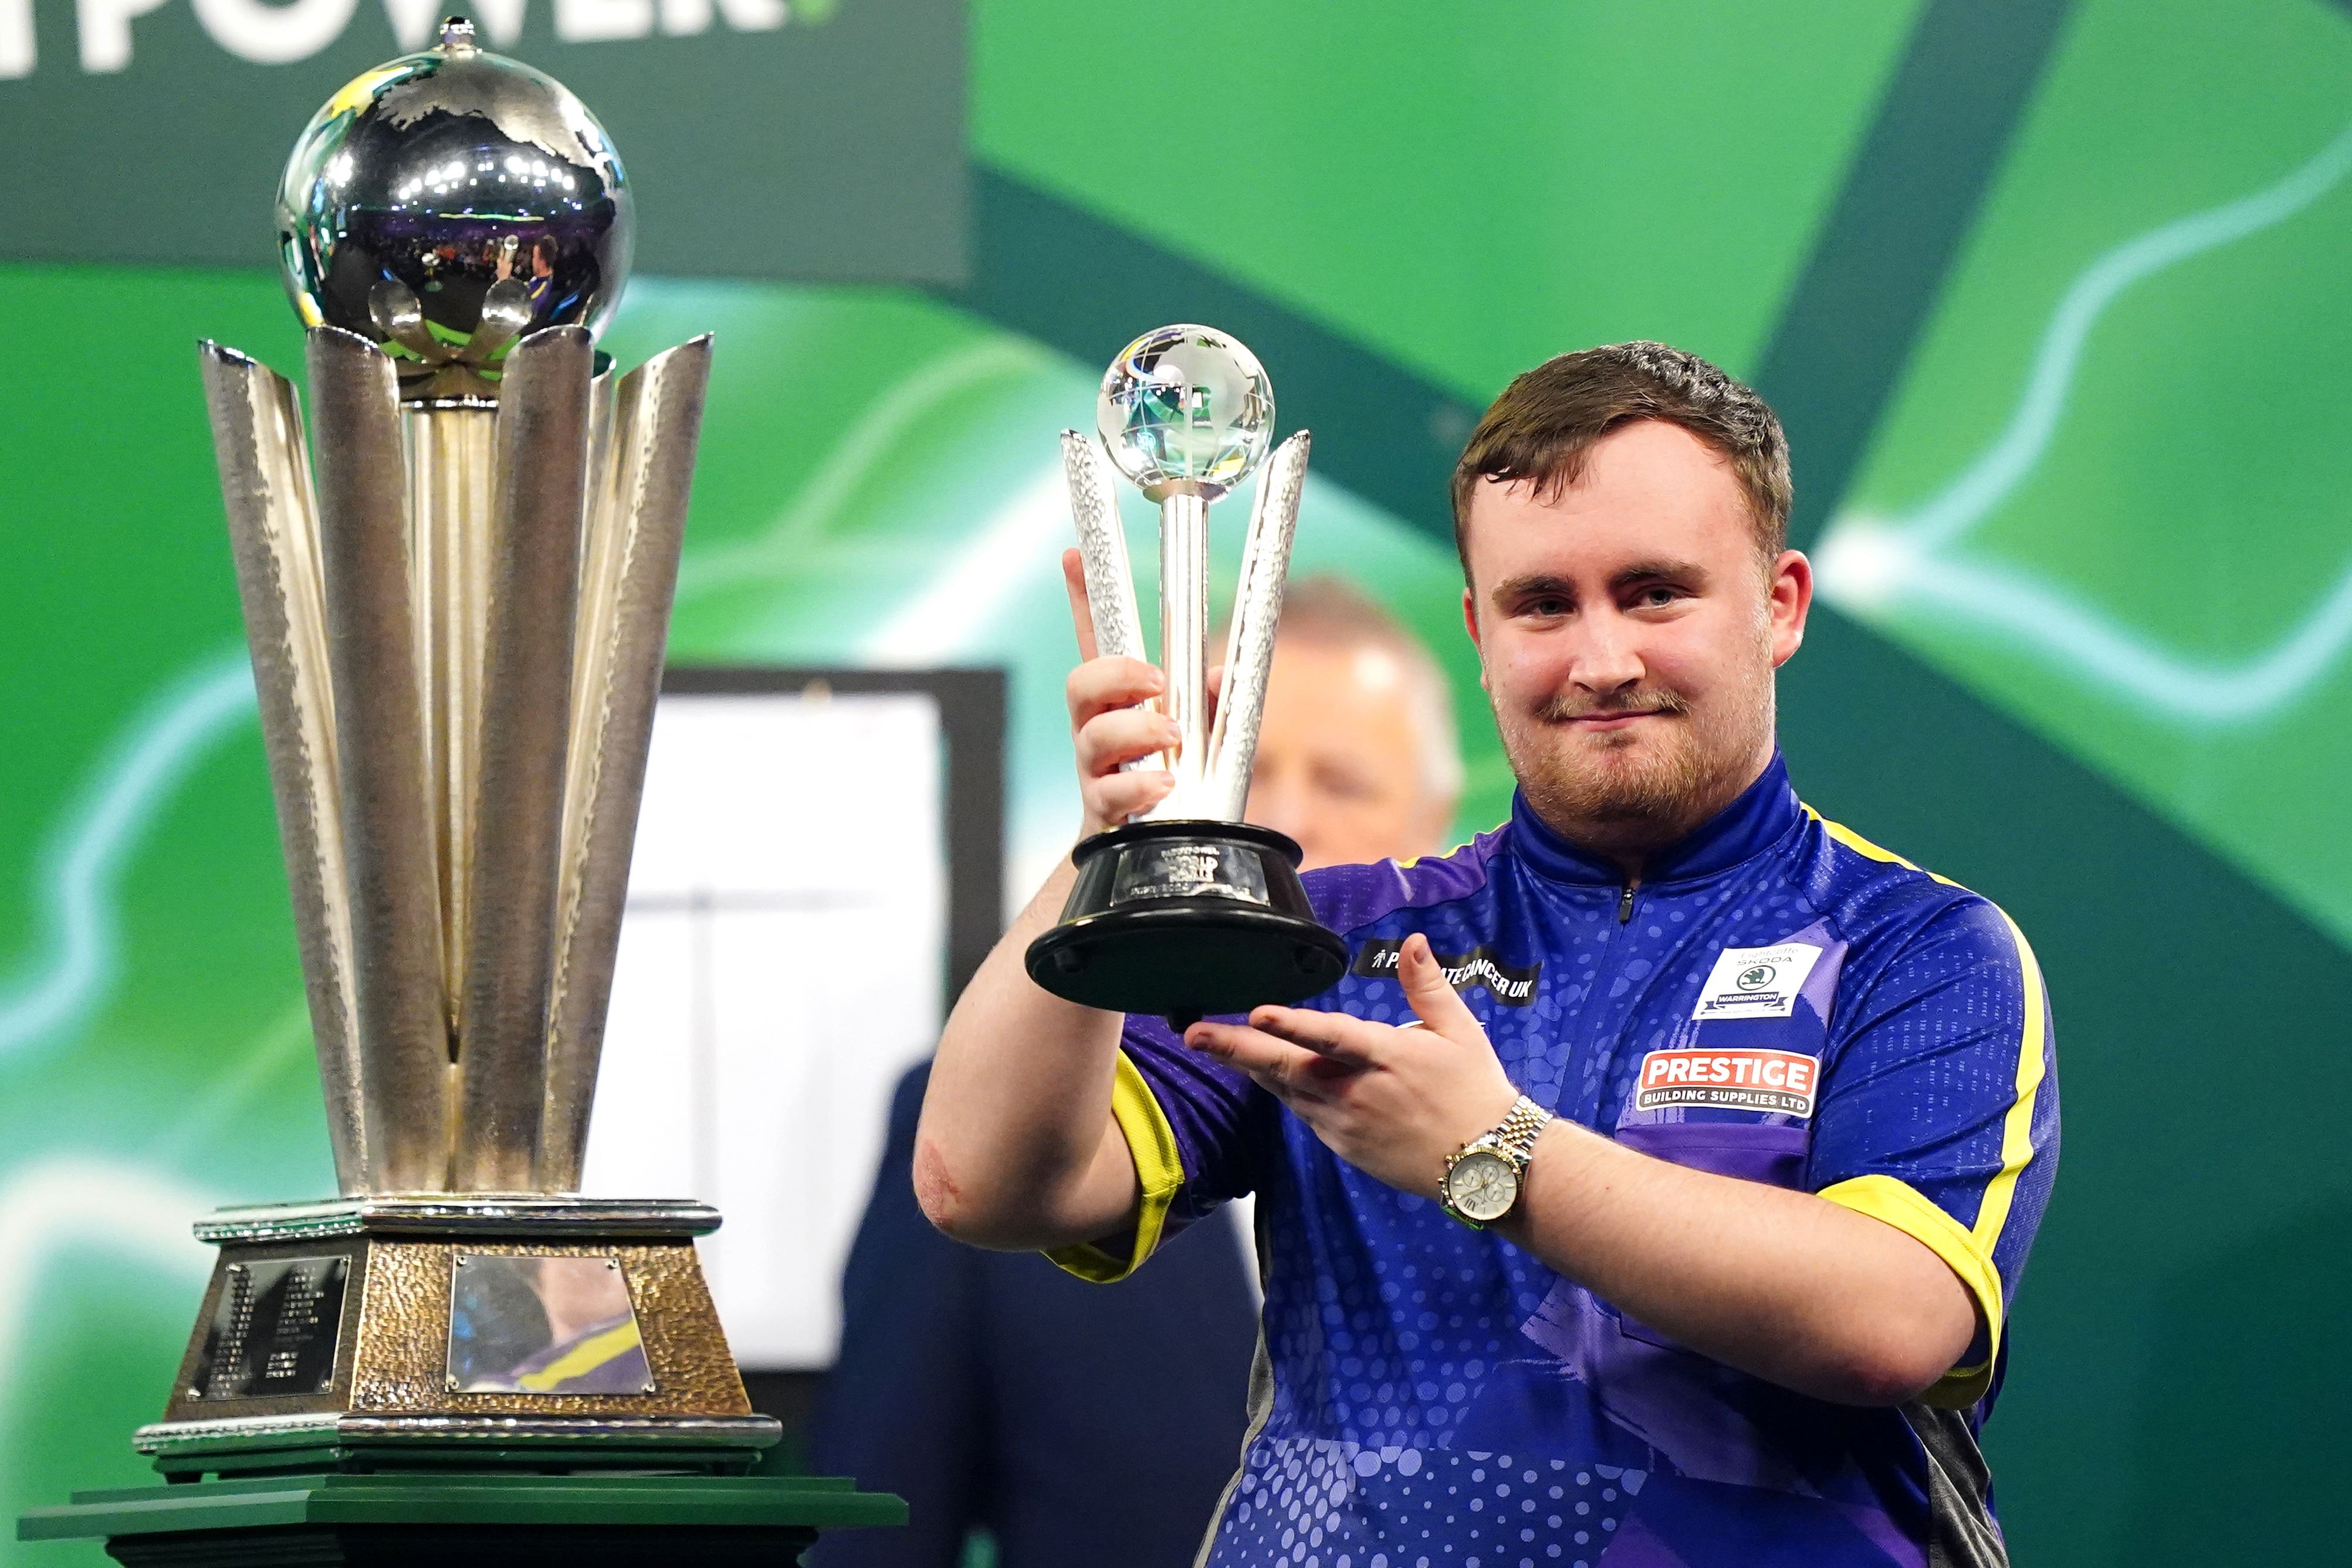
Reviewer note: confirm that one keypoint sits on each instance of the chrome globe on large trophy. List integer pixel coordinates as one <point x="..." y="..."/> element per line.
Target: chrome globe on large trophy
<point x="456" y="586"/>
<point x="1187" y="910"/>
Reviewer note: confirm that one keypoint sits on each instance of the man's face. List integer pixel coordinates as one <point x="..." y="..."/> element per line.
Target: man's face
<point x="1628" y="634"/>
<point x="1342" y="756"/>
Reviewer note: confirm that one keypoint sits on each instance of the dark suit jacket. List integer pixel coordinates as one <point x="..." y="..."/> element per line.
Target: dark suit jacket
<point x="1083" y="1426"/>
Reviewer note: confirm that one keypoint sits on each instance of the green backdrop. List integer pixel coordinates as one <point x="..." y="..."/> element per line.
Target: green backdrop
<point x="2043" y="289"/>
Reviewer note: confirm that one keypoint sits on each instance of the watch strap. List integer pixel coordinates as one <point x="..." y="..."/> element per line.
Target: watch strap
<point x="1516" y="1136"/>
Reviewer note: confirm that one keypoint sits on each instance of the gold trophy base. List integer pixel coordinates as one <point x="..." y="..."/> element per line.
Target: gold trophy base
<point x="369" y="1333"/>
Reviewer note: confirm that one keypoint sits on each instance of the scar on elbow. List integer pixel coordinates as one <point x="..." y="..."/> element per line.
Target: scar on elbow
<point x="935" y="1189"/>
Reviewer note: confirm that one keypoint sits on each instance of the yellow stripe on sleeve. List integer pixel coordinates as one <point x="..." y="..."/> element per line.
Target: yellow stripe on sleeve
<point x="1969" y="1251"/>
<point x="1904" y="1208"/>
<point x="2017" y="1127"/>
<point x="1159" y="1172"/>
<point x="1868" y="850"/>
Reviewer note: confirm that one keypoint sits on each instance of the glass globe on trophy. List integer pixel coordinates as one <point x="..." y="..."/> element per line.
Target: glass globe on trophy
<point x="1188" y="911"/>
<point x="1186" y="411"/>
<point x="457" y="582"/>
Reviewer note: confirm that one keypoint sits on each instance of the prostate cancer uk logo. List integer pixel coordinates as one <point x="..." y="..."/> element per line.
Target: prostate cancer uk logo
<point x="1512" y="984"/>
<point x="1778" y="1081"/>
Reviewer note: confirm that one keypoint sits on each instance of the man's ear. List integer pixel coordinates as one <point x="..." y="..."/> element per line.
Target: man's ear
<point x="1470" y="624"/>
<point x="1791" y="591"/>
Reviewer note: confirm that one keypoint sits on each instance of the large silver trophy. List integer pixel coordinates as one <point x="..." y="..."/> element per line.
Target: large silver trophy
<point x="456" y="630"/>
<point x="1188" y="911"/>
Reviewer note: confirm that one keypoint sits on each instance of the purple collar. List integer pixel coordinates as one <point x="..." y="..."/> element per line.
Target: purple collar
<point x="1762" y="813"/>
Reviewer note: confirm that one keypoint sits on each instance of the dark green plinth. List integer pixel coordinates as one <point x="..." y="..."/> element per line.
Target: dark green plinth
<point x="509" y="1519"/>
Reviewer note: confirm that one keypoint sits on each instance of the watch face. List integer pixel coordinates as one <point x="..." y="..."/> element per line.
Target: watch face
<point x="1482" y="1185"/>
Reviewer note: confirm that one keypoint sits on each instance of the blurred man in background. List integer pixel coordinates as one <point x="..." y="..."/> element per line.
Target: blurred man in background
<point x="1077" y="1425"/>
<point x="1357" y="757"/>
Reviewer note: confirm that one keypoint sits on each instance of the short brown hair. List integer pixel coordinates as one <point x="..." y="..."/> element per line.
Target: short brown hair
<point x="1547" y="421"/>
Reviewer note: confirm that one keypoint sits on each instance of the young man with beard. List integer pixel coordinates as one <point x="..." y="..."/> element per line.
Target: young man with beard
<point x="1683" y="1232"/>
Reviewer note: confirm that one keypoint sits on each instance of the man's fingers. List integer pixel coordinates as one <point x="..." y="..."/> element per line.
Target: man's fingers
<point x="1100" y="685"/>
<point x="1111" y="721"/>
<point x="1121" y="796"/>
<point x="1082" y="618"/>
<point x="1336" y="1036"/>
<point x="1284" y="1069"/>
<point x="1121" y="736"/>
<point x="1432" y="997"/>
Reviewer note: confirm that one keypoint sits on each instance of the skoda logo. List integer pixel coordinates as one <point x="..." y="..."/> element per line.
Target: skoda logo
<point x="1756" y="979"/>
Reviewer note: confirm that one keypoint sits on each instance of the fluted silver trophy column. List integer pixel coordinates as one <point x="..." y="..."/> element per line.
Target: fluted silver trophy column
<point x="456" y="586"/>
<point x="1189" y="911"/>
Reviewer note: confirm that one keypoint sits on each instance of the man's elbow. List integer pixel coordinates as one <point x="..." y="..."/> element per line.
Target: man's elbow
<point x="1885" y="1369"/>
<point x="956" y="1212"/>
<point x="941" y="1200"/>
<point x="1881" y="1382"/>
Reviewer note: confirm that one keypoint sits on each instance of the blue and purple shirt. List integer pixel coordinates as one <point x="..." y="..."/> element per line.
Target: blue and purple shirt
<point x="1777" y="1000"/>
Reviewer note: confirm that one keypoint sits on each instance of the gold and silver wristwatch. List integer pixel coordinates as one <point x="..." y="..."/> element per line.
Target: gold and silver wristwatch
<point x="1484" y="1176"/>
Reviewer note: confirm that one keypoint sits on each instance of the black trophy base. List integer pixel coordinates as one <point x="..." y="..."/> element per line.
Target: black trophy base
<point x="1186" y="919"/>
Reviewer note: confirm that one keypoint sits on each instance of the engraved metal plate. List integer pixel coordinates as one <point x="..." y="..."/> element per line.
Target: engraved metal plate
<point x="1189" y="871"/>
<point x="543" y="1325"/>
<point x="274" y="1330"/>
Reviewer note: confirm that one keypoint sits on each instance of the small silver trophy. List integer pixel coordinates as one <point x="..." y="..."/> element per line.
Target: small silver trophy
<point x="457" y="635"/>
<point x="1189" y="911"/>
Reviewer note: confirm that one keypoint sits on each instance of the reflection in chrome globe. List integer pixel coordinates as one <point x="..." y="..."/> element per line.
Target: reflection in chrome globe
<point x="447" y="204"/>
<point x="1185" y="410"/>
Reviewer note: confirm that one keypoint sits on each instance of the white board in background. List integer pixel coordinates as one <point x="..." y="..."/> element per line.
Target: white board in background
<point x="783" y="958"/>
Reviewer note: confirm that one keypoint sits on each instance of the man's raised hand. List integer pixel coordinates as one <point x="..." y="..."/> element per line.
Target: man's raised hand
<point x="1109" y="726"/>
<point x="1110" y="723"/>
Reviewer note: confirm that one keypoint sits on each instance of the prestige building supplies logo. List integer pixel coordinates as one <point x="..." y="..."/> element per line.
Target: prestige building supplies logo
<point x="1509" y="984"/>
<point x="1778" y="1081"/>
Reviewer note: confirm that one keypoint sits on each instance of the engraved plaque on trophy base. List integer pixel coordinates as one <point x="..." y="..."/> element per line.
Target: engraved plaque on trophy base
<point x="275" y="1325"/>
<point x="372" y="1332"/>
<point x="1186" y="919"/>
